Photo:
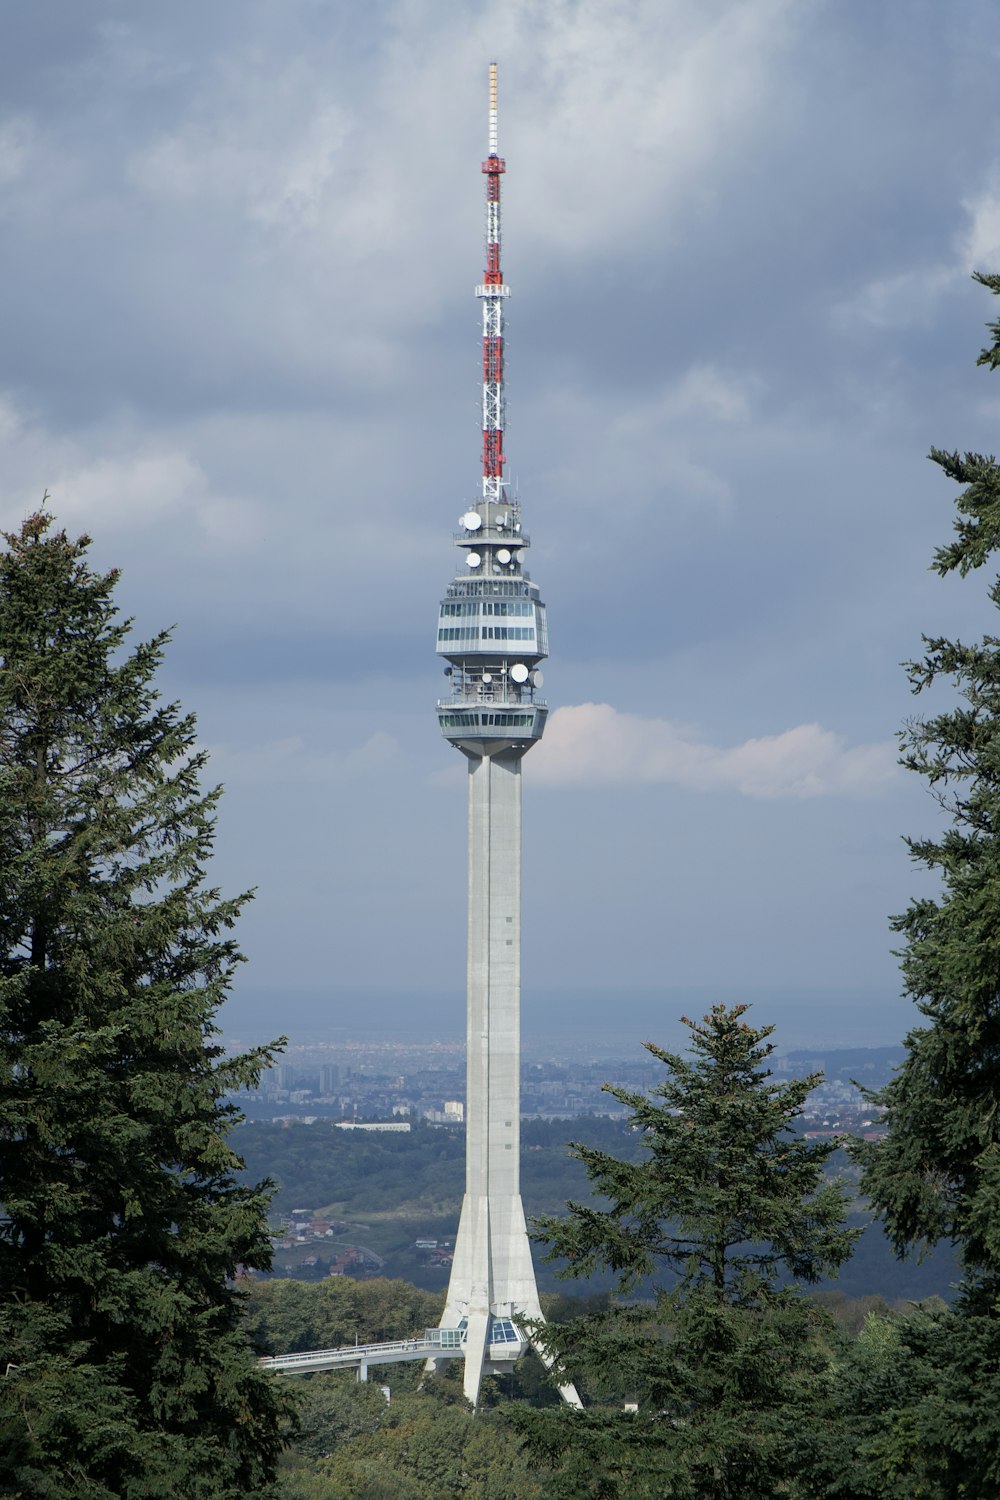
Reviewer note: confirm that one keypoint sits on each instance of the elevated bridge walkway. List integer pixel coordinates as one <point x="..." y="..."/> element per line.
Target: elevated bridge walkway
<point x="505" y="1344"/>
<point x="433" y="1343"/>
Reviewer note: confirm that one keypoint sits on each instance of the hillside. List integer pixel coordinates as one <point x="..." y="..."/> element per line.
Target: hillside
<point x="385" y="1192"/>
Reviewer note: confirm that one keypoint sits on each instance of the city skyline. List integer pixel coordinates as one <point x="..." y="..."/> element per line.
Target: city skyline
<point x="235" y="354"/>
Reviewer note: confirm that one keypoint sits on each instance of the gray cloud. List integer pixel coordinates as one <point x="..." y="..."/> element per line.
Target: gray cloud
<point x="590" y="744"/>
<point x="238" y="245"/>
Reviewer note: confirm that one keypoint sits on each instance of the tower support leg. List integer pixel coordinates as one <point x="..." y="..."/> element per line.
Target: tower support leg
<point x="476" y="1337"/>
<point x="492" y="1274"/>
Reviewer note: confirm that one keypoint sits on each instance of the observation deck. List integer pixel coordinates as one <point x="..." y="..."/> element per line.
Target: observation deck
<point x="479" y="723"/>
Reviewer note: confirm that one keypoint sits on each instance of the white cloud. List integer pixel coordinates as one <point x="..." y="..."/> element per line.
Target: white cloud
<point x="291" y="760"/>
<point x="674" y="444"/>
<point x="589" y="744"/>
<point x="369" y="194"/>
<point x="709" y="393"/>
<point x="979" y="247"/>
<point x="703" y="393"/>
<point x="135" y="484"/>
<point x="910" y="298"/>
<point x="282" y="183"/>
<point x="654" y="100"/>
<point x="136" y="488"/>
<point x="16" y="142"/>
<point x="906" y="300"/>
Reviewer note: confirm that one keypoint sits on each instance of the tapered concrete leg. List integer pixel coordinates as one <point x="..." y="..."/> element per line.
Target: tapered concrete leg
<point x="476" y="1336"/>
<point x="492" y="1274"/>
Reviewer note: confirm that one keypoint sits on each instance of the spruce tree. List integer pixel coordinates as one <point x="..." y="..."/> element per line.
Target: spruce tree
<point x="123" y="1219"/>
<point x="936" y="1176"/>
<point x="725" y="1211"/>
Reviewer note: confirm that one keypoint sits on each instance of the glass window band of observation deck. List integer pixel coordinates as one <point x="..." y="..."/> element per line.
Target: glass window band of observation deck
<point x="453" y="607"/>
<point x="490" y="723"/>
<point x="494" y="719"/>
<point x="478" y="632"/>
<point x="487" y="633"/>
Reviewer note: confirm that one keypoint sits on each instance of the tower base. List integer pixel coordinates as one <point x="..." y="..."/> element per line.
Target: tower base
<point x="492" y="1291"/>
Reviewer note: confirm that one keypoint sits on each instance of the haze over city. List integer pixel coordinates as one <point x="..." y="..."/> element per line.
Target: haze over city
<point x="241" y="349"/>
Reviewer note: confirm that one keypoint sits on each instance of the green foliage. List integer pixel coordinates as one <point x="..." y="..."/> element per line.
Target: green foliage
<point x="287" y="1316"/>
<point x="937" y="1174"/>
<point x="726" y="1205"/>
<point x="124" y="1222"/>
<point x="726" y="1195"/>
<point x="319" y="1166"/>
<point x="409" y="1185"/>
<point x="863" y="1442"/>
<point x="332" y="1410"/>
<point x="852" y="1314"/>
<point x="978" y="523"/>
<point x="420" y="1172"/>
<point x="424" y="1446"/>
<point x="948" y="1428"/>
<point x="908" y="1409"/>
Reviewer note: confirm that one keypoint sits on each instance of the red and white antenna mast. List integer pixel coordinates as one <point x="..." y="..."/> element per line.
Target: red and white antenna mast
<point x="492" y="292"/>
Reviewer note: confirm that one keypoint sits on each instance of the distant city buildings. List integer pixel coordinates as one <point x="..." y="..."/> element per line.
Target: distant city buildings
<point x="424" y="1081"/>
<point x="391" y="1084"/>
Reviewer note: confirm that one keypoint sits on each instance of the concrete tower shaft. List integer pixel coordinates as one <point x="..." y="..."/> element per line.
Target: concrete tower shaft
<point x="492" y="632"/>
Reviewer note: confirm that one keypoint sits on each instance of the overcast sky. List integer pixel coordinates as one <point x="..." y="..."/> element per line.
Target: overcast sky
<point x="239" y="346"/>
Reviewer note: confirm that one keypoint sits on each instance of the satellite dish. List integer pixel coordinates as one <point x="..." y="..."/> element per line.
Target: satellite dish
<point x="519" y="672"/>
<point x="487" y="677"/>
<point x="473" y="559"/>
<point x="503" y="555"/>
<point x="472" y="520"/>
<point x="537" y="679"/>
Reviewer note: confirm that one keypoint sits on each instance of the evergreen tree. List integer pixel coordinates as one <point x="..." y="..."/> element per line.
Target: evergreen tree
<point x="869" y="1439"/>
<point x="725" y="1211"/>
<point x="123" y="1219"/>
<point x="936" y="1175"/>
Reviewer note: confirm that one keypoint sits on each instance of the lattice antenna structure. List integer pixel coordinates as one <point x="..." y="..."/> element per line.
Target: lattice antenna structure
<point x="492" y="293"/>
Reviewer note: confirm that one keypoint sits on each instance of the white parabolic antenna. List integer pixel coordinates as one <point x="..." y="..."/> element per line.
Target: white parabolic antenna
<point x="472" y="520"/>
<point x="503" y="555"/>
<point x="536" y="678"/>
<point x="473" y="559"/>
<point x="519" y="672"/>
<point x="487" y="677"/>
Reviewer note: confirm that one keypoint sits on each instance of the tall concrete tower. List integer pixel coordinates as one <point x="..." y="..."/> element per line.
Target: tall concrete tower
<point x="492" y="633"/>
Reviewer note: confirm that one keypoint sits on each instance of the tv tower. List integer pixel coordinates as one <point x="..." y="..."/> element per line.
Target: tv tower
<point x="492" y="633"/>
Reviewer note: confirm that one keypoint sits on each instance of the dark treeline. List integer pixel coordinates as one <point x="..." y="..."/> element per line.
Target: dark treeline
<point x="420" y="1171"/>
